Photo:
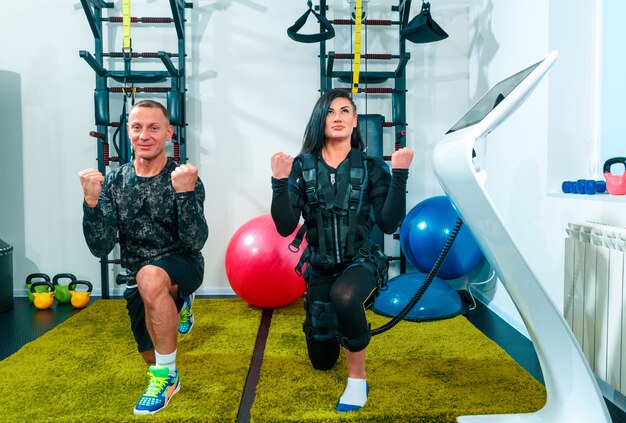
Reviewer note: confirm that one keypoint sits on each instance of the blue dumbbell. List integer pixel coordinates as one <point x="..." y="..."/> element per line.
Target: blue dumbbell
<point x="592" y="187"/>
<point x="566" y="187"/>
<point x="583" y="186"/>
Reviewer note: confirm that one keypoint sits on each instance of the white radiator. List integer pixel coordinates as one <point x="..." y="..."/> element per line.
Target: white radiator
<point x="594" y="300"/>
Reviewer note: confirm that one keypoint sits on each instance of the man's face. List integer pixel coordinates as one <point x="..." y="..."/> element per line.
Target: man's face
<point x="148" y="130"/>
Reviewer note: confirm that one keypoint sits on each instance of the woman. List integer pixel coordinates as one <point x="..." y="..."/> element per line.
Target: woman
<point x="337" y="189"/>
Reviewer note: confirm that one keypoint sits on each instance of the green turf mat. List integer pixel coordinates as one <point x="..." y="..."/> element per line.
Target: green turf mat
<point x="88" y="370"/>
<point x="417" y="372"/>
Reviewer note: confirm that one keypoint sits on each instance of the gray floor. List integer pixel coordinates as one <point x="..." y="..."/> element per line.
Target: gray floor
<point x="25" y="323"/>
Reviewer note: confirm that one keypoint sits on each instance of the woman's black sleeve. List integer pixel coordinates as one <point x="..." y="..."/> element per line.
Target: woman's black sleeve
<point x="287" y="202"/>
<point x="388" y="195"/>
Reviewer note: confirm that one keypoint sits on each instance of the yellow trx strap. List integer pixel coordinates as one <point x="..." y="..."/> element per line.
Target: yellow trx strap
<point x="357" y="46"/>
<point x="126" y="48"/>
<point x="126" y="24"/>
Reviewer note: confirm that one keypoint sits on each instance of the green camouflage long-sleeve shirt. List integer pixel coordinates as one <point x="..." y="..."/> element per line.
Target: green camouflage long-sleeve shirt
<point x="152" y="219"/>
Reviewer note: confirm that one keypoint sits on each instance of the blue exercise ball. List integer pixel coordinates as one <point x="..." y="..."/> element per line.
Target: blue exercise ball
<point x="440" y="300"/>
<point x="423" y="235"/>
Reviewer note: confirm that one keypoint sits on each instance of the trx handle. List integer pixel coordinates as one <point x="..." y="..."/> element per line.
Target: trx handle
<point x="431" y="276"/>
<point x="327" y="33"/>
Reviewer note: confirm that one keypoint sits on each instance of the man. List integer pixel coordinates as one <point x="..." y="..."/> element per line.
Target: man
<point x="157" y="210"/>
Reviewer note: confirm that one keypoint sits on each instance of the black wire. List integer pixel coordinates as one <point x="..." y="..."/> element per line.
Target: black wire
<point x="431" y="276"/>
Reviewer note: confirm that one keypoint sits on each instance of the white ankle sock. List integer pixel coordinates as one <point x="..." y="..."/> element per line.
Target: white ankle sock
<point x="166" y="360"/>
<point x="355" y="392"/>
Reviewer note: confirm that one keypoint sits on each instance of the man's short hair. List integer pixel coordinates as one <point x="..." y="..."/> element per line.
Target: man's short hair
<point x="155" y="105"/>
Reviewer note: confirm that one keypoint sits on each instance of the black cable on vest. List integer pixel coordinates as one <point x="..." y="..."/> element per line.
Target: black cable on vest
<point x="431" y="276"/>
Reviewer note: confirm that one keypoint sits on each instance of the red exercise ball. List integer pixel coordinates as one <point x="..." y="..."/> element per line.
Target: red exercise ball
<point x="260" y="266"/>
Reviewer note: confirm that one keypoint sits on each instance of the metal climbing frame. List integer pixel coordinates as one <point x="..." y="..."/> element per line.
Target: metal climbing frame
<point x="152" y="81"/>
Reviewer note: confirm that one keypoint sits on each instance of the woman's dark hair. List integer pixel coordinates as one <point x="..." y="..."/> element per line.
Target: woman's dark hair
<point x="313" y="140"/>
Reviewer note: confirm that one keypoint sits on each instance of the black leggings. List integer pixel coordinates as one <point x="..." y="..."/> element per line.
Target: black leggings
<point x="349" y="293"/>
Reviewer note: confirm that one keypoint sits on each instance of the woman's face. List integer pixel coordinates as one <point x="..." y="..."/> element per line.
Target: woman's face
<point x="341" y="119"/>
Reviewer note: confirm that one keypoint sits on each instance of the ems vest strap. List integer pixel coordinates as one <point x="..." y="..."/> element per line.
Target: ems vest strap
<point x="303" y="259"/>
<point x="343" y="188"/>
<point x="334" y="201"/>
<point x="358" y="173"/>
<point x="347" y="189"/>
<point x="327" y="192"/>
<point x="309" y="174"/>
<point x="294" y="246"/>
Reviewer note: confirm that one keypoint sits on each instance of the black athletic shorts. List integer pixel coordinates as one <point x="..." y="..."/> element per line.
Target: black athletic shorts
<point x="186" y="271"/>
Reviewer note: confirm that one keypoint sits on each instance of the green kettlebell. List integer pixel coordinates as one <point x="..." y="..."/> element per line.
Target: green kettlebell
<point x="34" y="277"/>
<point x="62" y="292"/>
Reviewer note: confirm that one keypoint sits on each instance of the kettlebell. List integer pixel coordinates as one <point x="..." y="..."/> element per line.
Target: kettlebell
<point x="62" y="292"/>
<point x="615" y="184"/>
<point x="40" y="288"/>
<point x="42" y="300"/>
<point x="80" y="299"/>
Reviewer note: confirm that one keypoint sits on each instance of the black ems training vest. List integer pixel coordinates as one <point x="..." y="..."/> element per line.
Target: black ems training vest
<point x="339" y="221"/>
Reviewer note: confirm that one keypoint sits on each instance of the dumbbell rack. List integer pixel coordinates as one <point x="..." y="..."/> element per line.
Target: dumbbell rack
<point x="329" y="76"/>
<point x="154" y="82"/>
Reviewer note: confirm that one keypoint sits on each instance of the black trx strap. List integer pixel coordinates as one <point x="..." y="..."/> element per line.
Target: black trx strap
<point x="327" y="33"/>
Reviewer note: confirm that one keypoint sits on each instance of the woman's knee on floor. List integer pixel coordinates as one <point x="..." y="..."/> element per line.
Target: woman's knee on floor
<point x="323" y="354"/>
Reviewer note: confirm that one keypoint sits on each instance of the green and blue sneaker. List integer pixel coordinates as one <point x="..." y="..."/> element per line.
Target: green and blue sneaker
<point x="160" y="391"/>
<point x="186" y="316"/>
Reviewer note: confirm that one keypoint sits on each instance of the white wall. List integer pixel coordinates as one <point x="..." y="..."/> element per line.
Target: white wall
<point x="251" y="90"/>
<point x="554" y="136"/>
<point x="613" y="83"/>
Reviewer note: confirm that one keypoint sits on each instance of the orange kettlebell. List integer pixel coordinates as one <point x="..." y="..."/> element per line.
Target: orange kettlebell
<point x="42" y="300"/>
<point x="80" y="299"/>
<point x="36" y="277"/>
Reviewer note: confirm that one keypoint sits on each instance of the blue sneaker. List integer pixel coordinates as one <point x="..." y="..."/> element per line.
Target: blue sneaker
<point x="160" y="391"/>
<point x="186" y="316"/>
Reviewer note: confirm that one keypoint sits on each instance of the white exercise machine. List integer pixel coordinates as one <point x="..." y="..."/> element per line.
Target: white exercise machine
<point x="572" y="392"/>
